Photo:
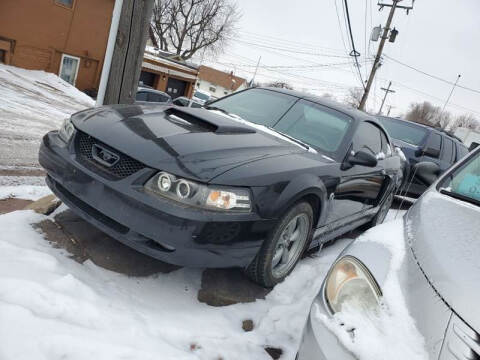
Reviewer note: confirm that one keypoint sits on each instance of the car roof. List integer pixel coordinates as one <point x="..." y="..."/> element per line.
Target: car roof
<point x="146" y="89"/>
<point x="352" y="112"/>
<point x="428" y="128"/>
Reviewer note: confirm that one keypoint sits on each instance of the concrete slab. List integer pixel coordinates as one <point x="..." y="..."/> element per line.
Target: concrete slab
<point x="46" y="205"/>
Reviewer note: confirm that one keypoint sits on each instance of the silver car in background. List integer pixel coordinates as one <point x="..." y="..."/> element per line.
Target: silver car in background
<point x="438" y="275"/>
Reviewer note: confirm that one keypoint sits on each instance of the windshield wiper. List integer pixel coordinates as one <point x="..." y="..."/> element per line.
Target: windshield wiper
<point x="459" y="196"/>
<point x="299" y="142"/>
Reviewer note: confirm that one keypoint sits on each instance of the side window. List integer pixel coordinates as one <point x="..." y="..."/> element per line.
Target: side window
<point x="447" y="150"/>
<point x="434" y="142"/>
<point x="367" y="138"/>
<point x="141" y="96"/>
<point x="152" y="97"/>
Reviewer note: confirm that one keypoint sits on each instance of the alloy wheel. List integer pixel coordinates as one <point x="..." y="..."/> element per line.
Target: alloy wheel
<point x="290" y="245"/>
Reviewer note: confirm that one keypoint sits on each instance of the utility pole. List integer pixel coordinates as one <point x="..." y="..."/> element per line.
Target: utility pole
<point x="255" y="73"/>
<point x="387" y="91"/>
<point x="451" y="92"/>
<point x="389" y="109"/>
<point x="128" y="51"/>
<point x="378" y="57"/>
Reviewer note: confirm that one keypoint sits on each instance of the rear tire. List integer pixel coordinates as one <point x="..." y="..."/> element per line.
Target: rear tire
<point x="284" y="246"/>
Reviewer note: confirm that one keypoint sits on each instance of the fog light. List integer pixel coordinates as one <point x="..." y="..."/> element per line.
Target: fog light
<point x="164" y="182"/>
<point x="183" y="189"/>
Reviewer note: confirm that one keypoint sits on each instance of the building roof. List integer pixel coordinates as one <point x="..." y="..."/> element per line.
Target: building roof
<point x="220" y="78"/>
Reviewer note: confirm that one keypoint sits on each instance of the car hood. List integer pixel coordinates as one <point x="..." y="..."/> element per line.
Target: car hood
<point x="194" y="143"/>
<point x="444" y="235"/>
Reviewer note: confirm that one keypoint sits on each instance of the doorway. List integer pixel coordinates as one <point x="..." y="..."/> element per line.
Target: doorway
<point x="176" y="88"/>
<point x="69" y="68"/>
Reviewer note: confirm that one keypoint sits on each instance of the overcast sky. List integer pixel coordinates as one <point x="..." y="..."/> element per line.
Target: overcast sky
<point x="441" y="37"/>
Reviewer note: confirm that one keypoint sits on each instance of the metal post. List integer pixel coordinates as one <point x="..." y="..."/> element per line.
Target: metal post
<point x="451" y="92"/>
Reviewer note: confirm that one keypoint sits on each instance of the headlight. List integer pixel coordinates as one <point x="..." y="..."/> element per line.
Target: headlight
<point x="199" y="195"/>
<point x="66" y="130"/>
<point x="350" y="284"/>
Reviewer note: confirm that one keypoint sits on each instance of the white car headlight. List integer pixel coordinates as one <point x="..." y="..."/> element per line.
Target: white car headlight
<point x="349" y="283"/>
<point x="199" y="195"/>
<point x="66" y="130"/>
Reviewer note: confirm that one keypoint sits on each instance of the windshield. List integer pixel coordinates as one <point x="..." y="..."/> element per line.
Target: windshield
<point x="201" y="96"/>
<point x="465" y="181"/>
<point x="404" y="130"/>
<point x="263" y="107"/>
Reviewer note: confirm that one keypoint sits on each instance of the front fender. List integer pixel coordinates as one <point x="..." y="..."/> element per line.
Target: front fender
<point x="298" y="188"/>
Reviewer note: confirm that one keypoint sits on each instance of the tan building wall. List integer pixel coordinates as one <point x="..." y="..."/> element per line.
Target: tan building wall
<point x="165" y="70"/>
<point x="38" y="32"/>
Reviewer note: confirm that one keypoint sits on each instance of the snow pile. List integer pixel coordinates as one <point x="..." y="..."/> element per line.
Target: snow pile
<point x="34" y="102"/>
<point x="54" y="308"/>
<point x="390" y="334"/>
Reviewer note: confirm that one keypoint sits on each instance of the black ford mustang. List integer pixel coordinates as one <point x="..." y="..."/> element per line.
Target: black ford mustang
<point x="251" y="181"/>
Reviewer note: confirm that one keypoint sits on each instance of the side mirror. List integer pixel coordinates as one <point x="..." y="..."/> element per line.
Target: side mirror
<point x="426" y="172"/>
<point x="362" y="158"/>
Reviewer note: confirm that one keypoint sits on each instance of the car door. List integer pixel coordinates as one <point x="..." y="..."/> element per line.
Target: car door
<point x="360" y="186"/>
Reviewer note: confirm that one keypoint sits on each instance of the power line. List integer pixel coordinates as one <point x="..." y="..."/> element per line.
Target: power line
<point x="341" y="33"/>
<point x="354" y="52"/>
<point x="288" y="50"/>
<point x="430" y="75"/>
<point x="435" y="97"/>
<point x="288" y="43"/>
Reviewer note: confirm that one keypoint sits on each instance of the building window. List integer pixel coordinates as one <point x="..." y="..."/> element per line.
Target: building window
<point x="212" y="89"/>
<point x="69" y="68"/>
<point x="65" y="3"/>
<point x="225" y="92"/>
<point x="3" y="57"/>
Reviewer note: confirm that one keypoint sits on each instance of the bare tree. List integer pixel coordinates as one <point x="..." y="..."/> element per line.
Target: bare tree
<point x="354" y="97"/>
<point x="187" y="26"/>
<point x="428" y="114"/>
<point x="279" y="84"/>
<point x="466" y="121"/>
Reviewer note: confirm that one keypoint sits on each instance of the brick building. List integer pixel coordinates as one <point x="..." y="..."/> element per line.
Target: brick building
<point x="66" y="37"/>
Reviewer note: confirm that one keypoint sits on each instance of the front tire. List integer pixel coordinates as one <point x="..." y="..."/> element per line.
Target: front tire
<point x="283" y="248"/>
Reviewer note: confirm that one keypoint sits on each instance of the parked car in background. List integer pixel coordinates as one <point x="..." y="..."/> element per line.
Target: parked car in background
<point x="422" y="143"/>
<point x="437" y="275"/>
<point x="184" y="101"/>
<point x="146" y="95"/>
<point x="201" y="96"/>
<point x="252" y="180"/>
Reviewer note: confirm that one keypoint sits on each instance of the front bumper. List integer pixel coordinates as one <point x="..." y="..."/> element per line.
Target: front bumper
<point x="318" y="341"/>
<point x="157" y="227"/>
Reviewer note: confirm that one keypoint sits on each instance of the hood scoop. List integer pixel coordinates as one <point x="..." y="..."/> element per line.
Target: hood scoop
<point x="208" y="120"/>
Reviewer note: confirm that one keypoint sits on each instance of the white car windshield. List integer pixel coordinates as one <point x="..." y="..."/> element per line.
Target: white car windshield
<point x="464" y="183"/>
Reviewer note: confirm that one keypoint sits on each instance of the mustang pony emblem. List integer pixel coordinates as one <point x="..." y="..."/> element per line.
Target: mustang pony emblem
<point x="103" y="156"/>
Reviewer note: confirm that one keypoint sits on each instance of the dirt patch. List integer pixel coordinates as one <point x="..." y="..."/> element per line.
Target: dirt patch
<point x="85" y="242"/>
<point x="12" y="204"/>
<point x="22" y="172"/>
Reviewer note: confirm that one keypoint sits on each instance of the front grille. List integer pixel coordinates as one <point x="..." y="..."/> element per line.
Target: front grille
<point x="124" y="167"/>
<point x="461" y="342"/>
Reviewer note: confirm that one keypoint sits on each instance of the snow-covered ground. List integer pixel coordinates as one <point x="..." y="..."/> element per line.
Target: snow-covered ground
<point x="51" y="307"/>
<point x="32" y="103"/>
